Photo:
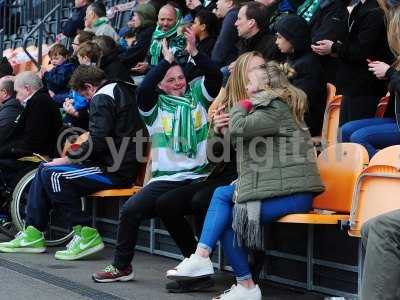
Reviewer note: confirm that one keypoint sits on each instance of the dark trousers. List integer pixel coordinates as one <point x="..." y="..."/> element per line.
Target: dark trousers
<point x="63" y="187"/>
<point x="192" y="199"/>
<point x="357" y="107"/>
<point x="141" y="206"/>
<point x="381" y="245"/>
<point x="11" y="172"/>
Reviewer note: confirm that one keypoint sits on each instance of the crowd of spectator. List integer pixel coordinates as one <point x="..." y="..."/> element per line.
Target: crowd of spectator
<point x="266" y="62"/>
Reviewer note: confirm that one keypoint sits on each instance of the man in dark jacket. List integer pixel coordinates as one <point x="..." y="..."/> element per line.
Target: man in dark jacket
<point x="10" y="107"/>
<point x="294" y="40"/>
<point x="77" y="20"/>
<point x="225" y="50"/>
<point x="253" y="31"/>
<point x="108" y="159"/>
<point x="38" y="124"/>
<point x="329" y="23"/>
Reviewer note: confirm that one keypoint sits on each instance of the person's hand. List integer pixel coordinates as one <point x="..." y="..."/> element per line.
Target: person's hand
<point x="379" y="68"/>
<point x="323" y="47"/>
<point x="141" y="67"/>
<point x="221" y="120"/>
<point x="166" y="52"/>
<point x="69" y="108"/>
<point x="51" y="93"/>
<point x="42" y="71"/>
<point x="60" y="37"/>
<point x="58" y="162"/>
<point x="246" y="104"/>
<point x="191" y="42"/>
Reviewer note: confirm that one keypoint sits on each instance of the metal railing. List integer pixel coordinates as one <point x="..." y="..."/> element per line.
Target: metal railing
<point x="1" y="42"/>
<point x="40" y="29"/>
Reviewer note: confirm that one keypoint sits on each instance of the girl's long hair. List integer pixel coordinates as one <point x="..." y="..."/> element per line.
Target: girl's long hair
<point x="392" y="16"/>
<point x="274" y="78"/>
<point x="237" y="82"/>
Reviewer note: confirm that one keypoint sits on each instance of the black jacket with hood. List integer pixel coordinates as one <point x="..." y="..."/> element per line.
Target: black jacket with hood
<point x="309" y="75"/>
<point x="36" y="129"/>
<point x="113" y="123"/>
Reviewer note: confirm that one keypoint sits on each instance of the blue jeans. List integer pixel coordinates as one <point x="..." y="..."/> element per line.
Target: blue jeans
<point x="373" y="134"/>
<point x="218" y="223"/>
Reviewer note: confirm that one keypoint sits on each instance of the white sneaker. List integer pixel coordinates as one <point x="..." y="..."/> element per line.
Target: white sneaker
<point x="239" y="292"/>
<point x="193" y="267"/>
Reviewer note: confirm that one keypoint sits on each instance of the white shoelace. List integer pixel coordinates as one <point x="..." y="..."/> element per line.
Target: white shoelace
<point x="73" y="242"/>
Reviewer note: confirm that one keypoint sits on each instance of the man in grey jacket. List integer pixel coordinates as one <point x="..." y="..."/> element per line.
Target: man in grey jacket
<point x="10" y="107"/>
<point x="381" y="243"/>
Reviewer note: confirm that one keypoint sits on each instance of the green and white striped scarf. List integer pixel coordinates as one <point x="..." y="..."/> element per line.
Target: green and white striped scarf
<point x="183" y="138"/>
<point x="159" y="35"/>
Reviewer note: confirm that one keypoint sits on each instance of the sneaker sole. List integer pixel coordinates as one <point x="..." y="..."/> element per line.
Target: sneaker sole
<point x="121" y="279"/>
<point x="191" y="276"/>
<point x="22" y="250"/>
<point x="83" y="254"/>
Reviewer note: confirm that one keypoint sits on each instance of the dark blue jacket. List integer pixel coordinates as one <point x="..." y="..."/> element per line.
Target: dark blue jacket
<point x="56" y="80"/>
<point x="75" y="22"/>
<point x="225" y="50"/>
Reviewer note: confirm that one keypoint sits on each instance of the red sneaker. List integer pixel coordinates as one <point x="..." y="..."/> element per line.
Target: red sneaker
<point x="112" y="274"/>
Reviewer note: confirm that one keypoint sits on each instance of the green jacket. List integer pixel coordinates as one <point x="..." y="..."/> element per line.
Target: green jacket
<point x="274" y="156"/>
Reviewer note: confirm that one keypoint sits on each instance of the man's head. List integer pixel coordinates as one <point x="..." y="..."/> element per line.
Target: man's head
<point x="251" y="19"/>
<point x="174" y="82"/>
<point x="6" y="88"/>
<point x="58" y="54"/>
<point x="167" y="17"/>
<point x="82" y="37"/>
<point x="26" y="84"/>
<point x="82" y="3"/>
<point x="94" y="11"/>
<point x="224" y="6"/>
<point x="86" y="80"/>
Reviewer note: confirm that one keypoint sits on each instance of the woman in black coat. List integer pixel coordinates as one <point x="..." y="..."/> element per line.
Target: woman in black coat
<point x="365" y="41"/>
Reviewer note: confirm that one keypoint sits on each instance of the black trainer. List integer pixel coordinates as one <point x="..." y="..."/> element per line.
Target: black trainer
<point x="191" y="285"/>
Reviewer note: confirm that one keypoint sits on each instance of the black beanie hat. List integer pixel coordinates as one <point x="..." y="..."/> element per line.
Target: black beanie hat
<point x="296" y="30"/>
<point x="5" y="67"/>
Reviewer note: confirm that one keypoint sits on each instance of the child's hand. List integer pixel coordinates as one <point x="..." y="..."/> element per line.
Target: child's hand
<point x="221" y="120"/>
<point x="69" y="109"/>
<point x="246" y="104"/>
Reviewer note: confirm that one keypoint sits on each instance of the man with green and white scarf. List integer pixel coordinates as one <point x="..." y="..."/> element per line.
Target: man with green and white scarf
<point x="97" y="22"/>
<point x="169" y="20"/>
<point x="175" y="114"/>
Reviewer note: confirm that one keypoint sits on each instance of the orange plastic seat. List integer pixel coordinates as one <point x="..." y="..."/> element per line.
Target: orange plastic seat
<point x="330" y="93"/>
<point x="377" y="189"/>
<point x="330" y="126"/>
<point x="382" y="105"/>
<point x="340" y="166"/>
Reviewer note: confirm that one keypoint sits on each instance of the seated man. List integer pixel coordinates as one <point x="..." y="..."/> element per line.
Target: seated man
<point x="38" y="124"/>
<point x="108" y="159"/>
<point x="97" y="22"/>
<point x="381" y="244"/>
<point x="176" y="117"/>
<point x="10" y="108"/>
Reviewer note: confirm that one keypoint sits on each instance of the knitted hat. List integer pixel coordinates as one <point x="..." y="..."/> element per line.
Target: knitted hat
<point x="296" y="30"/>
<point x="5" y="67"/>
<point x="147" y="14"/>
